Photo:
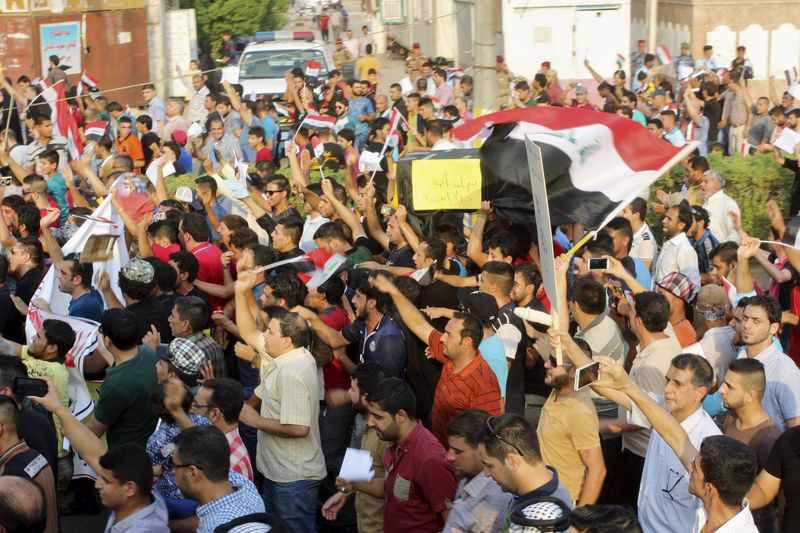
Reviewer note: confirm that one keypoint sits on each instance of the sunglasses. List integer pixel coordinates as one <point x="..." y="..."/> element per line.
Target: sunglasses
<point x="493" y="433"/>
<point x="268" y="193"/>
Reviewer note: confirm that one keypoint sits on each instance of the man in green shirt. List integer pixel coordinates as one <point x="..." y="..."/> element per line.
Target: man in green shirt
<point x="122" y="411"/>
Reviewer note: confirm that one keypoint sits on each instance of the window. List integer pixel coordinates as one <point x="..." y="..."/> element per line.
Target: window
<point x="275" y="63"/>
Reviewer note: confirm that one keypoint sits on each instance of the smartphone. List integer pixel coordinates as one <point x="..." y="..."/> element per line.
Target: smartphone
<point x="30" y="387"/>
<point x="598" y="263"/>
<point x="586" y="375"/>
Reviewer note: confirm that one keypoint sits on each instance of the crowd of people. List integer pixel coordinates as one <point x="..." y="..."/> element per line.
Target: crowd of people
<point x="229" y="393"/>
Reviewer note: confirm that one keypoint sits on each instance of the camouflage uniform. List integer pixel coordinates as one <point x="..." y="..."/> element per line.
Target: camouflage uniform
<point x="503" y="82"/>
<point x="341" y="57"/>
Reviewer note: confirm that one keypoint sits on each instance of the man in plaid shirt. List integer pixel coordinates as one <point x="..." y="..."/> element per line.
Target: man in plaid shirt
<point x="219" y="400"/>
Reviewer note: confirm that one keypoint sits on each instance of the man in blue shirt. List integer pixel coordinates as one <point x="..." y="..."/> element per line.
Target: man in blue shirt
<point x="374" y="332"/>
<point x="673" y="134"/>
<point x="361" y="112"/>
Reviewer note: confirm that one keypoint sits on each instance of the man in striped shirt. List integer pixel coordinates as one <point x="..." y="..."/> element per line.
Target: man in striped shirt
<point x="467" y="380"/>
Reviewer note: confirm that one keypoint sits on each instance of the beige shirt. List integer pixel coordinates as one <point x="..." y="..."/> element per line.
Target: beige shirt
<point x="369" y="509"/>
<point x="567" y="426"/>
<point x="289" y="394"/>
<point x="649" y="371"/>
<point x="176" y="123"/>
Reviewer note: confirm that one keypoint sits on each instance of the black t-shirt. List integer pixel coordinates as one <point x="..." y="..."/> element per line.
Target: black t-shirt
<point x="7" y="312"/>
<point x="39" y="432"/>
<point x="26" y="286"/>
<point x="150" y="312"/>
<point x="713" y="112"/>
<point x="402" y="257"/>
<point x="148" y="139"/>
<point x="534" y="377"/>
<point x="784" y="464"/>
<point x="332" y="157"/>
<point x="503" y="326"/>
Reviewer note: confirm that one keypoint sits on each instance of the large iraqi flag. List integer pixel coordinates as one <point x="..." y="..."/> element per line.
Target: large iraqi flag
<point x="595" y="163"/>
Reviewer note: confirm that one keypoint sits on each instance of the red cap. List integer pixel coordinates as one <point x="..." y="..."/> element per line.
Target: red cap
<point x="500" y="59"/>
<point x="415" y="46"/>
<point x="546" y="64"/>
<point x="338" y="40"/>
<point x="179" y="137"/>
<point x="640" y="41"/>
<point x="740" y="47"/>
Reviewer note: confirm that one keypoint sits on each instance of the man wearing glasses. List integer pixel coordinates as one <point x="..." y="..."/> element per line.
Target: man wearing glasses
<point x="510" y="454"/>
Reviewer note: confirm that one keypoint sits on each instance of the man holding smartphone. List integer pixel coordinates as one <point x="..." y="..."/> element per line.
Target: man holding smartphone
<point x="569" y="434"/>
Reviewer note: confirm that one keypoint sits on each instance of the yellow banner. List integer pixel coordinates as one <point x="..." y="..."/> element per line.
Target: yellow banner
<point x="446" y="184"/>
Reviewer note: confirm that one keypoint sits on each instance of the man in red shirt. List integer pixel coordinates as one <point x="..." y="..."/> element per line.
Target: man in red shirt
<point x="420" y="483"/>
<point x="324" y="21"/>
<point x="467" y="380"/>
<point x="194" y="234"/>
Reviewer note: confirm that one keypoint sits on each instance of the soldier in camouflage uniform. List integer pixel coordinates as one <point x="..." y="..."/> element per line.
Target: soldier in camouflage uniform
<point x="414" y="63"/>
<point x="504" y="78"/>
<point x="341" y="56"/>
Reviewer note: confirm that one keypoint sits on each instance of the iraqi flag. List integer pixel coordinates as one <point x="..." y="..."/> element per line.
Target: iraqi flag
<point x="594" y="163"/>
<point x="319" y="122"/>
<point x="95" y="130"/>
<point x="87" y="82"/>
<point x="63" y="121"/>
<point x="312" y="70"/>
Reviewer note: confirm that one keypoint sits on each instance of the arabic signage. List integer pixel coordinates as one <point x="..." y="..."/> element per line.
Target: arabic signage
<point x="62" y="39"/>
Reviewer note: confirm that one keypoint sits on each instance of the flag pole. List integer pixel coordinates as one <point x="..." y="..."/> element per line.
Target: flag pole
<point x="586" y="238"/>
<point x="383" y="150"/>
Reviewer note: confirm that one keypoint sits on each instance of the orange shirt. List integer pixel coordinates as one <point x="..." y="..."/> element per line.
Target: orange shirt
<point x="131" y="147"/>
<point x="685" y="333"/>
<point x="474" y="387"/>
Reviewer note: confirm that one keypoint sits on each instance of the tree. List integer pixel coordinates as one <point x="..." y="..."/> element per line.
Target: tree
<point x="240" y="17"/>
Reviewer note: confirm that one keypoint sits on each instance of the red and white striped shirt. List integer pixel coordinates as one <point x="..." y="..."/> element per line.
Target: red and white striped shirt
<point x="240" y="459"/>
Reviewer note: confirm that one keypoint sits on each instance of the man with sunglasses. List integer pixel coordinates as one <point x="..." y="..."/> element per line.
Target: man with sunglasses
<point x="510" y="455"/>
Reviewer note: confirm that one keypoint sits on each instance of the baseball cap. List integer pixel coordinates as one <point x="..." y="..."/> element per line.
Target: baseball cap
<point x="480" y="304"/>
<point x="679" y="285"/>
<point x="711" y="302"/>
<point x="685" y="45"/>
<point x="179" y="137"/>
<point x="184" y="355"/>
<point x="741" y="47"/>
<point x="338" y="40"/>
<point x="546" y="64"/>
<point x="658" y="92"/>
<point x="543" y="513"/>
<point x="640" y="41"/>
<point x="581" y="89"/>
<point x="499" y="59"/>
<point x="184" y="194"/>
<point x="138" y="270"/>
<point x="415" y="46"/>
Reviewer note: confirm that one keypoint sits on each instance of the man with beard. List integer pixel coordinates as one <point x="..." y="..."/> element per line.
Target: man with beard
<point x="480" y="503"/>
<point x="369" y="494"/>
<point x="374" y="331"/>
<point x="677" y="253"/>
<point x="219" y="145"/>
<point x="420" y="484"/>
<point x="361" y="112"/>
<point x="748" y="422"/>
<point x="569" y="434"/>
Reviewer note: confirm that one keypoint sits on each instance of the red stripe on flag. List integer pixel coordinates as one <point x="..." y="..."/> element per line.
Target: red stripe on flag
<point x="320" y="121"/>
<point x="640" y="150"/>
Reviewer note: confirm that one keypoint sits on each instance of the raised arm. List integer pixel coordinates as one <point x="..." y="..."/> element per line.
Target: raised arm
<point x="597" y="77"/>
<point x="248" y="329"/>
<point x="411" y="316"/>
<point x="744" y="280"/>
<point x="408" y="232"/>
<point x="373" y="224"/>
<point x="475" y="242"/>
<point x="329" y="336"/>
<point x="84" y="169"/>
<point x="349" y="217"/>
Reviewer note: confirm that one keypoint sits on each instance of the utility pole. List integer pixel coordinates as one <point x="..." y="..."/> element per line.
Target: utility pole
<point x="652" y="25"/>
<point x="483" y="49"/>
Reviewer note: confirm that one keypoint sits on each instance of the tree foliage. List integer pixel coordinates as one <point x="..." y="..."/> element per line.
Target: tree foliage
<point x="751" y="181"/>
<point x="241" y="17"/>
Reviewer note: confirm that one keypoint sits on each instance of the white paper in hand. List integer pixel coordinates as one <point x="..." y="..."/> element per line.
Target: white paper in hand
<point x="357" y="465"/>
<point x="684" y="71"/>
<point x="286" y="147"/>
<point x="152" y="171"/>
<point x="405" y="85"/>
<point x="195" y="130"/>
<point x="794" y="90"/>
<point x="369" y="161"/>
<point x="230" y="74"/>
<point x="787" y="140"/>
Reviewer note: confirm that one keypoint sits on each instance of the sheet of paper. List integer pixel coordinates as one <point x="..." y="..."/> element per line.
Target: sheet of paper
<point x="446" y="184"/>
<point x="369" y="161"/>
<point x="406" y="86"/>
<point x="794" y="90"/>
<point x="230" y="74"/>
<point x="152" y="171"/>
<point x="357" y="465"/>
<point x="684" y="71"/>
<point x="787" y="140"/>
<point x="195" y="130"/>
<point x="242" y="167"/>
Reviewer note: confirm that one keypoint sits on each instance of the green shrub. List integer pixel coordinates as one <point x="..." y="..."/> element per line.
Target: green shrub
<point x="751" y="181"/>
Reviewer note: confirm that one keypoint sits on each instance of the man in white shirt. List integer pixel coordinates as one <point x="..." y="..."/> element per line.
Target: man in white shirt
<point x="760" y="323"/>
<point x="199" y="91"/>
<point x="677" y="253"/>
<point x="352" y="44"/>
<point x="679" y="479"/>
<point x="718" y="204"/>
<point x="643" y="247"/>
